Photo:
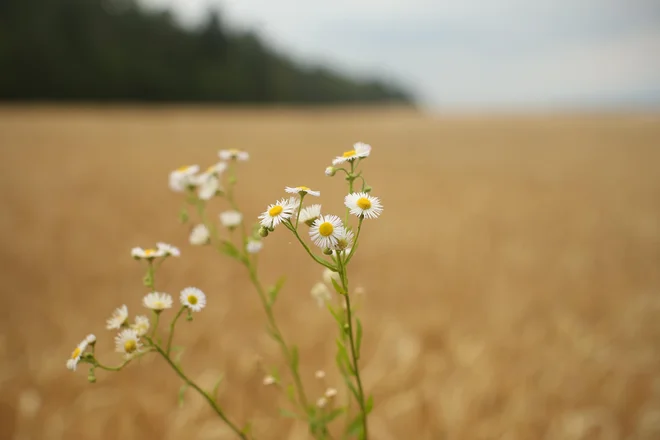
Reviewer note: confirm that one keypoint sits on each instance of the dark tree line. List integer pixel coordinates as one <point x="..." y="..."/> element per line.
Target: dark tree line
<point x="112" y="50"/>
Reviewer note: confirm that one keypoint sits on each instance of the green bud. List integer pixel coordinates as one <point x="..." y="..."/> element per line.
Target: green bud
<point x="367" y="189"/>
<point x="330" y="171"/>
<point x="327" y="251"/>
<point x="263" y="232"/>
<point x="91" y="377"/>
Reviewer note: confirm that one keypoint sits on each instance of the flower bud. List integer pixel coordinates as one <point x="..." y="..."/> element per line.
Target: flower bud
<point x="263" y="232"/>
<point x="330" y="171"/>
<point x="367" y="189"/>
<point x="327" y="251"/>
<point x="91" y="377"/>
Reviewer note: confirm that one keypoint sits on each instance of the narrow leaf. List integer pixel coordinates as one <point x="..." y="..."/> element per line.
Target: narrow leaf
<point x="369" y="405"/>
<point x="355" y="427"/>
<point x="340" y="290"/>
<point x="289" y="414"/>
<point x="214" y="391"/>
<point x="358" y="341"/>
<point x="182" y="390"/>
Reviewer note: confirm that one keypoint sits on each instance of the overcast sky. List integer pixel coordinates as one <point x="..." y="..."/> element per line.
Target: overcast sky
<point x="468" y="54"/>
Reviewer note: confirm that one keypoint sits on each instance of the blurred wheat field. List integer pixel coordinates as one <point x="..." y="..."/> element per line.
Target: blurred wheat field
<point x="512" y="285"/>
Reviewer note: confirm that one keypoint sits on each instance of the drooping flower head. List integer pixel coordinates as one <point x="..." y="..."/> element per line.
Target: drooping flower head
<point x="183" y="178"/>
<point x="363" y="205"/>
<point x="118" y="318"/>
<point x="233" y="154"/>
<point x="345" y="240"/>
<point x="302" y="190"/>
<point x="277" y="213"/>
<point x="326" y="230"/>
<point x="168" y="249"/>
<point x="128" y="342"/>
<point x="193" y="298"/>
<point x="72" y="362"/>
<point x="360" y="150"/>
<point x="309" y="214"/>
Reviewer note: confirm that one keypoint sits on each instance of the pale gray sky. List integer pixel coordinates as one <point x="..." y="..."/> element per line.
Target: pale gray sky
<point x="468" y="54"/>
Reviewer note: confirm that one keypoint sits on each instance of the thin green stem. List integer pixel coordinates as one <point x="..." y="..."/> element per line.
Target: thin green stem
<point x="211" y="401"/>
<point x="302" y="196"/>
<point x="172" y="325"/>
<point x="96" y="364"/>
<point x="355" y="242"/>
<point x="321" y="261"/>
<point x="155" y="326"/>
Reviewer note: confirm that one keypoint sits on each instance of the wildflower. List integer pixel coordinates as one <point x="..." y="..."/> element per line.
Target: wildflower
<point x="330" y="393"/>
<point x="141" y="325"/>
<point x="233" y="154"/>
<point x="269" y="380"/>
<point x="168" y="249"/>
<point x="91" y="339"/>
<point x="344" y="241"/>
<point x="321" y="294"/>
<point x="309" y="214"/>
<point x="329" y="275"/>
<point x="363" y="205"/>
<point x="322" y="402"/>
<point x="360" y="150"/>
<point x="183" y="178"/>
<point x="148" y="254"/>
<point x="277" y="213"/>
<point x="320" y="374"/>
<point x="301" y="190"/>
<point x="118" y="318"/>
<point x="72" y="363"/>
<point x="208" y="188"/>
<point x="326" y="230"/>
<point x="330" y="171"/>
<point x="157" y="301"/>
<point x="253" y="246"/>
<point x="199" y="235"/>
<point x="193" y="298"/>
<point x="128" y="342"/>
<point x="213" y="170"/>
<point x="231" y="219"/>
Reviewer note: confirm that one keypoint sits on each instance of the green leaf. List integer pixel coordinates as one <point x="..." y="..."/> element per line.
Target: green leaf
<point x="182" y="390"/>
<point x="355" y="428"/>
<point x="275" y="290"/>
<point x="369" y="405"/>
<point x="289" y="414"/>
<point x="336" y="314"/>
<point x="340" y="290"/>
<point x="247" y="428"/>
<point x="291" y="393"/>
<point x="329" y="417"/>
<point x="229" y="249"/>
<point x="214" y="390"/>
<point x="177" y="358"/>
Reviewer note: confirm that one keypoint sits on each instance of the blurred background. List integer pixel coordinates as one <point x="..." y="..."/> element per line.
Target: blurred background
<point x="511" y="289"/>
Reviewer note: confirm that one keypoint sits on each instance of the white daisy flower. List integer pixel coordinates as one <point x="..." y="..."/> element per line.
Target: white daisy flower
<point x="345" y="241"/>
<point x="233" y="154"/>
<point x="91" y="339"/>
<point x="309" y="214"/>
<point x="301" y="190"/>
<point x="231" y="219"/>
<point x="269" y="380"/>
<point x="72" y="362"/>
<point x="276" y="213"/>
<point x="330" y="393"/>
<point x="359" y="150"/>
<point x="294" y="202"/>
<point x="183" y="178"/>
<point x="141" y="325"/>
<point x="157" y="301"/>
<point x="363" y="205"/>
<point x="326" y="230"/>
<point x="168" y="249"/>
<point x="199" y="235"/>
<point x="193" y="298"/>
<point x="321" y="294"/>
<point x="329" y="275"/>
<point x="208" y="188"/>
<point x="214" y="170"/>
<point x="118" y="318"/>
<point x="320" y="374"/>
<point x="128" y="342"/>
<point x="253" y="246"/>
<point x="149" y="254"/>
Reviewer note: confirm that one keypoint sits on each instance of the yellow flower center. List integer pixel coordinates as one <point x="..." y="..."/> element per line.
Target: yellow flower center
<point x="349" y="153"/>
<point x="130" y="346"/>
<point x="210" y="169"/>
<point x="363" y="203"/>
<point x="158" y="304"/>
<point x="342" y="244"/>
<point x="275" y="211"/>
<point x="148" y="252"/>
<point x="183" y="168"/>
<point x="75" y="353"/>
<point x="326" y="229"/>
<point x="302" y="188"/>
<point x="233" y="152"/>
<point x="192" y="300"/>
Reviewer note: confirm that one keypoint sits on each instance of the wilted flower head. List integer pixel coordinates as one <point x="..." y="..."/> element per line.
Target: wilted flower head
<point x="183" y="178"/>
<point x="233" y="154"/>
<point x="360" y="150"/>
<point x="199" y="235"/>
<point x="345" y="240"/>
<point x="118" y="318"/>
<point x="309" y="214"/>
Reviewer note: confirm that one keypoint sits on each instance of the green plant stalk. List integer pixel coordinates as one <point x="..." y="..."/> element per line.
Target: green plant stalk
<point x="321" y="261"/>
<point x="172" y="325"/>
<point x="211" y="401"/>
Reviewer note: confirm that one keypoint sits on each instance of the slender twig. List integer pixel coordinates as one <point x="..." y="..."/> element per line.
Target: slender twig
<point x="172" y="324"/>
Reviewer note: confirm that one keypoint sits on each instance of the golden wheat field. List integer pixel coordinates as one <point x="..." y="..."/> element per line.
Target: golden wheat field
<point x="511" y="286"/>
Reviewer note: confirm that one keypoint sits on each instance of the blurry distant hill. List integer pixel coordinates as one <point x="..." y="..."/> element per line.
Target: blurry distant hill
<point x="111" y="50"/>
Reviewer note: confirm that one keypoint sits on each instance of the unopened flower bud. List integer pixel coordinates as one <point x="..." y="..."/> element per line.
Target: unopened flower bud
<point x="91" y="377"/>
<point x="327" y="251"/>
<point x="263" y="232"/>
<point x="330" y="171"/>
<point x="91" y="339"/>
<point x="367" y="189"/>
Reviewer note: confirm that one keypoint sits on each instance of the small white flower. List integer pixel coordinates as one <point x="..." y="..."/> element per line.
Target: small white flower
<point x="183" y="178"/>
<point x="309" y="214"/>
<point x="320" y="374"/>
<point x="118" y="318"/>
<point x="231" y="219"/>
<point x="321" y="293"/>
<point x="199" y="235"/>
<point x="72" y="362"/>
<point x="208" y="188"/>
<point x="141" y="325"/>
<point x="128" y="342"/>
<point x="363" y="205"/>
<point x="214" y="170"/>
<point x="345" y="241"/>
<point x="269" y="380"/>
<point x="193" y="298"/>
<point x="301" y="190"/>
<point x="322" y="402"/>
<point x="277" y="213"/>
<point x="157" y="301"/>
<point x="330" y="393"/>
<point x="329" y="275"/>
<point x="326" y="230"/>
<point x="360" y="150"/>
<point x="233" y="154"/>
<point x="168" y="249"/>
<point x="149" y="254"/>
<point x="253" y="246"/>
<point x="91" y="339"/>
